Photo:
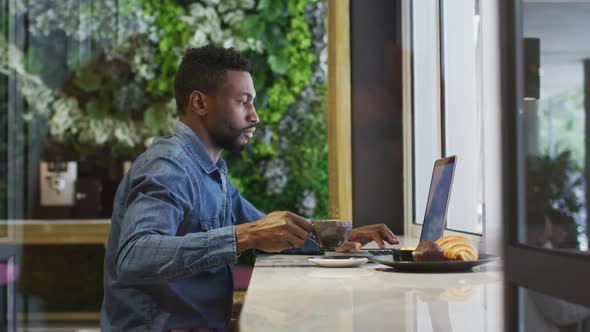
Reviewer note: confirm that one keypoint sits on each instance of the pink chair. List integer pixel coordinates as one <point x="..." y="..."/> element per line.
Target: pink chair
<point x="242" y="276"/>
<point x="9" y="273"/>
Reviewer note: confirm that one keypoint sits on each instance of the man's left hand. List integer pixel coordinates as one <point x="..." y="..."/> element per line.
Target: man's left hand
<point x="349" y="246"/>
<point x="365" y="234"/>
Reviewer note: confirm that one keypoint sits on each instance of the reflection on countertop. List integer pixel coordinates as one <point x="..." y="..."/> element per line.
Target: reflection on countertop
<point x="288" y="294"/>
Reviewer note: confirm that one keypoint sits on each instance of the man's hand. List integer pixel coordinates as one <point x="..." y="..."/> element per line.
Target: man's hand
<point x="275" y="232"/>
<point x="349" y="246"/>
<point x="365" y="234"/>
<point x="377" y="233"/>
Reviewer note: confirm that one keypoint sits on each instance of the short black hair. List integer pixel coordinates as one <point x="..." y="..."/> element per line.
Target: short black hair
<point x="204" y="69"/>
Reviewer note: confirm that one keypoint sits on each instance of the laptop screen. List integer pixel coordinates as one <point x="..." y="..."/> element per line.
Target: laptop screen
<point x="438" y="199"/>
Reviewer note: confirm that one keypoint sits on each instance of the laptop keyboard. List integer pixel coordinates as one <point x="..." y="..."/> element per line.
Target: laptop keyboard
<point x="379" y="252"/>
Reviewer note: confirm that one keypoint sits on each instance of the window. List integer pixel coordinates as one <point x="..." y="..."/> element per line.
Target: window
<point x="545" y="81"/>
<point x="446" y="42"/>
<point x="461" y="110"/>
<point x="555" y="133"/>
<point x="426" y="100"/>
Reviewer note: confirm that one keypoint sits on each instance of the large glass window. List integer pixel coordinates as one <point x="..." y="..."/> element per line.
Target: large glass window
<point x="546" y="84"/>
<point x="86" y="86"/>
<point x="447" y="106"/>
<point x="462" y="111"/>
<point x="426" y="116"/>
<point x="555" y="135"/>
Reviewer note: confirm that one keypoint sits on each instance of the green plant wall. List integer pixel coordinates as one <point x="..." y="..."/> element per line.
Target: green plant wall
<point x="291" y="151"/>
<point x="108" y="86"/>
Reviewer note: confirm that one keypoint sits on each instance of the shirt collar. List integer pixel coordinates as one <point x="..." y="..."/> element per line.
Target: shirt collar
<point x="198" y="150"/>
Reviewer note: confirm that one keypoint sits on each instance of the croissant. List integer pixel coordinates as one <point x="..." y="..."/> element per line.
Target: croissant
<point x="458" y="248"/>
<point x="457" y="294"/>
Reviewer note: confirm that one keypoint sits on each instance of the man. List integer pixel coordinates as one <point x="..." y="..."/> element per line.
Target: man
<point x="178" y="223"/>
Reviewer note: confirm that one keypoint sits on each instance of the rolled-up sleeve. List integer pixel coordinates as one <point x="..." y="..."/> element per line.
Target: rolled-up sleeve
<point x="246" y="212"/>
<point x="161" y="194"/>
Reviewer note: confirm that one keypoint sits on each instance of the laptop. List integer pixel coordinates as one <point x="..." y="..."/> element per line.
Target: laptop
<point x="437" y="203"/>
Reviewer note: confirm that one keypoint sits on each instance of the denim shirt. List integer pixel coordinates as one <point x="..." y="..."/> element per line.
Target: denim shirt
<point x="172" y="245"/>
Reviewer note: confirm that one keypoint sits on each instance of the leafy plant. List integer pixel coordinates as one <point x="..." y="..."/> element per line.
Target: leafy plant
<point x="553" y="188"/>
<point x="121" y="96"/>
<point x="173" y="35"/>
<point x="290" y="148"/>
<point x="561" y="123"/>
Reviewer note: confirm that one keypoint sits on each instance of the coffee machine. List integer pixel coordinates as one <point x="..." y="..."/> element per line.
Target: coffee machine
<point x="63" y="194"/>
<point x="58" y="183"/>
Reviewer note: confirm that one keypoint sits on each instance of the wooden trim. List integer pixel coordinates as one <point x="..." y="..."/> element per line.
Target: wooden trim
<point x="57" y="232"/>
<point x="339" y="110"/>
<point x="60" y="316"/>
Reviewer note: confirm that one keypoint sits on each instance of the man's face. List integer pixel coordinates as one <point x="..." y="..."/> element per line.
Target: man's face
<point x="232" y="119"/>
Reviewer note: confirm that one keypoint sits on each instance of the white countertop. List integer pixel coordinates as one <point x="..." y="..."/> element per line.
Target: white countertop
<point x="287" y="293"/>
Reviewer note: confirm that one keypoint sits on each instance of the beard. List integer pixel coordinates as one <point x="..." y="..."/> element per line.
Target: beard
<point x="230" y="138"/>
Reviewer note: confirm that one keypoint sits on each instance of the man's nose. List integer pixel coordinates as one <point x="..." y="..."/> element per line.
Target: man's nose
<point x="253" y="116"/>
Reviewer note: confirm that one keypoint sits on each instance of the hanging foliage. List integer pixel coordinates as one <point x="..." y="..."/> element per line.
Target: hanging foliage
<point x="115" y="93"/>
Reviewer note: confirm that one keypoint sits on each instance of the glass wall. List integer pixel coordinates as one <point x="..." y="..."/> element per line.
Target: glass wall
<point x="546" y="138"/>
<point x="555" y="134"/>
<point x="86" y="86"/>
<point x="542" y="312"/>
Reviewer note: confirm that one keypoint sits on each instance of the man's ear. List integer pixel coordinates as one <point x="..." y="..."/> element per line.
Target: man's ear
<point x="198" y="102"/>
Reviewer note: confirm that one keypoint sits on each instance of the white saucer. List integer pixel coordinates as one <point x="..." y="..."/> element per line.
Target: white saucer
<point x="339" y="262"/>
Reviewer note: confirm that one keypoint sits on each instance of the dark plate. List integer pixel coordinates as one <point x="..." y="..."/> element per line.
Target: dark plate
<point x="442" y="266"/>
